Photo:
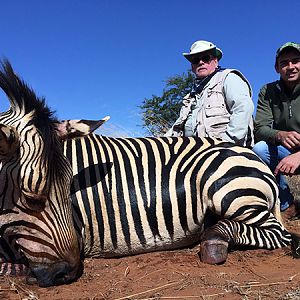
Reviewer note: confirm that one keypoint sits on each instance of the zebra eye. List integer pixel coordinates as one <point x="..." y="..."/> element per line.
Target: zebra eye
<point x="34" y="202"/>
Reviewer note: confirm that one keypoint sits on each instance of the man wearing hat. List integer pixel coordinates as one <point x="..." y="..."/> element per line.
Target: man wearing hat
<point x="219" y="104"/>
<point x="277" y="121"/>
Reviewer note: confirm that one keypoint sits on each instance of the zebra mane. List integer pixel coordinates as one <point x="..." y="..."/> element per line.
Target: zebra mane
<point x="22" y="96"/>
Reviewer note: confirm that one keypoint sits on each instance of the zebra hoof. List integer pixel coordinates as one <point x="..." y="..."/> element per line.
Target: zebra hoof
<point x="213" y="251"/>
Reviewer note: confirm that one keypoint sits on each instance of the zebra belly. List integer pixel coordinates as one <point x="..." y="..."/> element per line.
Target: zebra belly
<point x="152" y="243"/>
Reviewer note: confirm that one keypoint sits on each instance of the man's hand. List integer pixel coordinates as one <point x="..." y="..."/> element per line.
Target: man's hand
<point x="289" y="139"/>
<point x="288" y="165"/>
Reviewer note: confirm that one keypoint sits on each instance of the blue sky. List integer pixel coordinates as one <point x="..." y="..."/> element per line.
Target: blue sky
<point x="93" y="58"/>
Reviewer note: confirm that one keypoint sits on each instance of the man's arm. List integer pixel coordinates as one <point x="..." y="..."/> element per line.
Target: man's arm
<point x="263" y="130"/>
<point x="264" y="125"/>
<point x="177" y="128"/>
<point x="241" y="107"/>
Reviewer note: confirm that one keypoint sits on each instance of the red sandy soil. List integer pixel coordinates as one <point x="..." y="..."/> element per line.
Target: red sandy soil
<point x="251" y="274"/>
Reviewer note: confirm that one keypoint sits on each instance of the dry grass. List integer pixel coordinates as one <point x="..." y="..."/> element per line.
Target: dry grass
<point x="232" y="287"/>
<point x="11" y="289"/>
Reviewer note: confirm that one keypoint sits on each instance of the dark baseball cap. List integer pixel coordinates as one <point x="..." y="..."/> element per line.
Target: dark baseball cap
<point x="293" y="45"/>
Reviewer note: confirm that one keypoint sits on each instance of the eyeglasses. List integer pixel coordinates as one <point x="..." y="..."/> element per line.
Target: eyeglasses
<point x="205" y="58"/>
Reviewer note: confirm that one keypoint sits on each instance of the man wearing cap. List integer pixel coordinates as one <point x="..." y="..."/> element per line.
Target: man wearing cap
<point x="219" y="104"/>
<point x="277" y="121"/>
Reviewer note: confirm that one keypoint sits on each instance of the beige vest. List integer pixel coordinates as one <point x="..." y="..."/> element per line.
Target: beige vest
<point x="213" y="115"/>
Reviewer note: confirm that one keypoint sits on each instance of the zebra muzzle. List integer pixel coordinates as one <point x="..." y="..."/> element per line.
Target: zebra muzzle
<point x="55" y="274"/>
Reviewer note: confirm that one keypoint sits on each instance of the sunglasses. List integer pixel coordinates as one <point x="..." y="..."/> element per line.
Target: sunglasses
<point x="205" y="58"/>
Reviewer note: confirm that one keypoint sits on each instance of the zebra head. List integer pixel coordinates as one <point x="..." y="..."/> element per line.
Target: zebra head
<point x="35" y="179"/>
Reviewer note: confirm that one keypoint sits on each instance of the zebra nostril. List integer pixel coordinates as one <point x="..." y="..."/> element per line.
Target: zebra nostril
<point x="62" y="277"/>
<point x="67" y="273"/>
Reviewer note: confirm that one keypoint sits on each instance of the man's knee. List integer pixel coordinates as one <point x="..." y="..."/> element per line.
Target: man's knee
<point x="262" y="150"/>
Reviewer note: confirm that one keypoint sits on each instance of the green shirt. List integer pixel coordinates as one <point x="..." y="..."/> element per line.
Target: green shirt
<point x="276" y="111"/>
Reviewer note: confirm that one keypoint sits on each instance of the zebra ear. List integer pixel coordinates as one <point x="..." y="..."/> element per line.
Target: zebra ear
<point x="9" y="141"/>
<point x="68" y="129"/>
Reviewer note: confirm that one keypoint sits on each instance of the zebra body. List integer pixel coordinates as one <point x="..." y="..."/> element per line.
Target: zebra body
<point x="140" y="195"/>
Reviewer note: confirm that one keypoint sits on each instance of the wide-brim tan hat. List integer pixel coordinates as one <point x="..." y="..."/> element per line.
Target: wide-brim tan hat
<point x="202" y="46"/>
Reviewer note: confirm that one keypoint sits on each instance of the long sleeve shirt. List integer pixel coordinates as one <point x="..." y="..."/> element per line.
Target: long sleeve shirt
<point x="277" y="110"/>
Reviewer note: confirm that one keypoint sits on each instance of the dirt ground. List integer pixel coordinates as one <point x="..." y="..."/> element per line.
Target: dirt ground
<point x="251" y="274"/>
<point x="178" y="275"/>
